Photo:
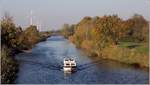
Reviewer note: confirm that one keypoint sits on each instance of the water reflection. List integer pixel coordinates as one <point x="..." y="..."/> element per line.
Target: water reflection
<point x="67" y="74"/>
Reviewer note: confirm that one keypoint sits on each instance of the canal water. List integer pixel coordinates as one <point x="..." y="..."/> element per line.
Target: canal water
<point x="44" y="66"/>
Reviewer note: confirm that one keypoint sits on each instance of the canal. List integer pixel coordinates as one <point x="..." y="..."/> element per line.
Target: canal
<point x="43" y="65"/>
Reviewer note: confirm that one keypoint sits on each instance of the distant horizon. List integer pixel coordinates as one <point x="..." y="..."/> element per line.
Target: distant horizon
<point x="52" y="14"/>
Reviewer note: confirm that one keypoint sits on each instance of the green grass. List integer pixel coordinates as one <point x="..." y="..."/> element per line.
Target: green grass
<point x="127" y="44"/>
<point x="143" y="49"/>
<point x="139" y="47"/>
<point x="129" y="52"/>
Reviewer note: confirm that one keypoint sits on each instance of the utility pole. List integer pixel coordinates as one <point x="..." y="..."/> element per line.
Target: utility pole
<point x="149" y="27"/>
<point x="31" y="18"/>
<point x="39" y="26"/>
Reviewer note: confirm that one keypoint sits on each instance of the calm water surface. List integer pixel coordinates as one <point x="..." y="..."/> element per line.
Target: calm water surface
<point x="44" y="66"/>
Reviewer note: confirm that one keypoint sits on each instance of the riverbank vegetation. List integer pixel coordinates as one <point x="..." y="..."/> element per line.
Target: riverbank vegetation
<point x="111" y="37"/>
<point x="13" y="40"/>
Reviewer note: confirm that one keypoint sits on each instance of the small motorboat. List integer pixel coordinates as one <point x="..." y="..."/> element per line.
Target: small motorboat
<point x="69" y="65"/>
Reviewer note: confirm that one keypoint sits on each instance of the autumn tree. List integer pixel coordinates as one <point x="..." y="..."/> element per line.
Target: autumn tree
<point x="100" y="32"/>
<point x="30" y="37"/>
<point x="137" y="28"/>
<point x="9" y="32"/>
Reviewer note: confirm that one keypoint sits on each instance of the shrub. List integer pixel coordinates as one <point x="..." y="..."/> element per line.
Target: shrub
<point x="9" y="66"/>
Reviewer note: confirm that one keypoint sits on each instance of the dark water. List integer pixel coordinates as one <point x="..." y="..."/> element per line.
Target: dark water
<point x="44" y="66"/>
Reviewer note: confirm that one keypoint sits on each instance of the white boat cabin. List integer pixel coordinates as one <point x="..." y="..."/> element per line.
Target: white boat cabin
<point x="69" y="65"/>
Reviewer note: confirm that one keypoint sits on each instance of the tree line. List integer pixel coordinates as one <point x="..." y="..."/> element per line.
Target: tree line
<point x="94" y="34"/>
<point x="107" y="30"/>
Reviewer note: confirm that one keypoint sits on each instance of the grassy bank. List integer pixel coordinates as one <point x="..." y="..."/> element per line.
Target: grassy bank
<point x="137" y="55"/>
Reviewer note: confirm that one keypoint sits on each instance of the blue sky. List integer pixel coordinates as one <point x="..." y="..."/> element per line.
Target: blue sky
<point x="52" y="14"/>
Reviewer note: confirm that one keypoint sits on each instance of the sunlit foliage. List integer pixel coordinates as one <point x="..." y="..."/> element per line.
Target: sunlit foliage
<point x="99" y="33"/>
